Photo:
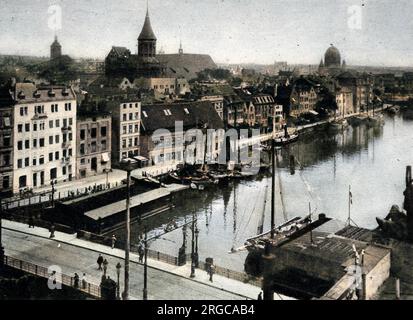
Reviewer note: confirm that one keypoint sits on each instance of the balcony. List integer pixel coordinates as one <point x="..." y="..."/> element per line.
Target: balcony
<point x="65" y="160"/>
<point x="66" y="129"/>
<point x="66" y="144"/>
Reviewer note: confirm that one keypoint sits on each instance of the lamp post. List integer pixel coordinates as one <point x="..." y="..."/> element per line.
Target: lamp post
<point x="128" y="166"/>
<point x="196" y="254"/>
<point x="145" y="268"/>
<point x="53" y="191"/>
<point x="118" y="267"/>
<point x="1" y="236"/>
<point x="193" y="248"/>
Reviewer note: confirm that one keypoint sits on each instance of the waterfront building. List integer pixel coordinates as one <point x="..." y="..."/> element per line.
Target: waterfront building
<point x="159" y="148"/>
<point x="126" y="124"/>
<point x="303" y="97"/>
<point x="345" y="101"/>
<point x="43" y="135"/>
<point x="94" y="140"/>
<point x="6" y="143"/>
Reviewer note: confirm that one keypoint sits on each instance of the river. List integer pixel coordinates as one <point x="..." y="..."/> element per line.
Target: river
<point x="371" y="160"/>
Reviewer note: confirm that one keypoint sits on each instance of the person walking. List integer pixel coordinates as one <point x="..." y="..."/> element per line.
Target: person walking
<point x="84" y="282"/>
<point x="105" y="266"/>
<point x="113" y="241"/>
<point x="211" y="273"/>
<point x="141" y="253"/>
<point x="100" y="262"/>
<point x="52" y="230"/>
<point x="76" y="281"/>
<point x="31" y="222"/>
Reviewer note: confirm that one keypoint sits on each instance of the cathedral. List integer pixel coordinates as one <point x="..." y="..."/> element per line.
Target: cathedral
<point x="120" y="62"/>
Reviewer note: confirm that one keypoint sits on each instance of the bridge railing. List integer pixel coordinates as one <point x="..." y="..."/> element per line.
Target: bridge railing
<point x="43" y="272"/>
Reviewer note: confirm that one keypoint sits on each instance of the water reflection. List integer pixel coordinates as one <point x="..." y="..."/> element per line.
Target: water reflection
<point x="372" y="160"/>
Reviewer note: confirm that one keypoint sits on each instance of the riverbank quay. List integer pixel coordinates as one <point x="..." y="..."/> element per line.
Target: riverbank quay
<point x="166" y="281"/>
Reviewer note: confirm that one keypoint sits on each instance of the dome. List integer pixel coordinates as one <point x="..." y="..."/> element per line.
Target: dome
<point x="332" y="57"/>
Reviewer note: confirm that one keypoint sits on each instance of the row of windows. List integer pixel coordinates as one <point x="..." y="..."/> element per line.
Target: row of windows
<point x="93" y="147"/>
<point x="132" y="129"/>
<point x="41" y="142"/>
<point x="40" y="175"/>
<point x="53" y="156"/>
<point x="131" y="116"/>
<point x="129" y="143"/>
<point x="93" y="133"/>
<point x="39" y="109"/>
<point x="125" y="105"/>
<point x="41" y="125"/>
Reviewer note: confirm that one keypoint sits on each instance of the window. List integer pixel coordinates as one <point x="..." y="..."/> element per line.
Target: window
<point x="20" y="128"/>
<point x="57" y="123"/>
<point x="53" y="174"/>
<point x="70" y="136"/>
<point x="22" y="182"/>
<point x="42" y="127"/>
<point x="64" y="170"/>
<point x="93" y="146"/>
<point x="64" y="123"/>
<point x="20" y="145"/>
<point x="34" y="162"/>
<point x="124" y="143"/>
<point x="103" y="131"/>
<point x="124" y="106"/>
<point x="6" y="182"/>
<point x="104" y="145"/>
<point x="136" y="128"/>
<point x="82" y="149"/>
<point x="57" y="138"/>
<point x="70" y="152"/>
<point x="41" y="142"/>
<point x="6" y="160"/>
<point x="137" y="116"/>
<point x="64" y="153"/>
<point x="20" y="163"/>
<point x="27" y="162"/>
<point x="27" y="144"/>
<point x="130" y="128"/>
<point x="34" y="143"/>
<point x="56" y="155"/>
<point x="70" y="121"/>
<point x="51" y="124"/>
<point x="124" y="117"/>
<point x="35" y="179"/>
<point x="64" y="137"/>
<point x="136" y="142"/>
<point x="130" y="143"/>
<point x="41" y="160"/>
<point x="51" y="157"/>
<point x="130" y="116"/>
<point x="93" y="133"/>
<point x="51" y="140"/>
<point x="82" y="134"/>
<point x="27" y="127"/>
<point x="34" y="126"/>
<point x="124" y="129"/>
<point x="7" y="141"/>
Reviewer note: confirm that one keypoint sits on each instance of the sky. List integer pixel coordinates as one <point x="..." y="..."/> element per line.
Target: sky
<point x="369" y="32"/>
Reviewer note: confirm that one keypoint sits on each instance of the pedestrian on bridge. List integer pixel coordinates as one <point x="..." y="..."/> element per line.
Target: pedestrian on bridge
<point x="211" y="273"/>
<point x="105" y="266"/>
<point x="141" y="252"/>
<point x="100" y="262"/>
<point x="113" y="241"/>
<point x="52" y="230"/>
<point x="84" y="282"/>
<point x="76" y="281"/>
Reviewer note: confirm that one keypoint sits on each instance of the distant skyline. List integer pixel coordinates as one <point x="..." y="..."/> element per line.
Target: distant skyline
<point x="231" y="31"/>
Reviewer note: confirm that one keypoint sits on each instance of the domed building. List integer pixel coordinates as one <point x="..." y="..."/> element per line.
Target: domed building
<point x="332" y="61"/>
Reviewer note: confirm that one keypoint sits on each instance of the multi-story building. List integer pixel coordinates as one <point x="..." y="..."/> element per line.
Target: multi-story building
<point x="6" y="140"/>
<point x="94" y="140"/>
<point x="345" y="101"/>
<point x="43" y="135"/>
<point x="303" y="97"/>
<point x="218" y="103"/>
<point x="126" y="123"/>
<point x="181" y="145"/>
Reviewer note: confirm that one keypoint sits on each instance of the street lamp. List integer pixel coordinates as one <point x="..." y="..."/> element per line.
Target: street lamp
<point x="193" y="248"/>
<point x="196" y="254"/>
<point x="1" y="236"/>
<point x="128" y="167"/>
<point x="145" y="268"/>
<point x="118" y="267"/>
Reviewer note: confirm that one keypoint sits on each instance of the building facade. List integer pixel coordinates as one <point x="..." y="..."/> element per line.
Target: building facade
<point x="94" y="140"/>
<point x="126" y="123"/>
<point x="303" y="98"/>
<point x="44" y="139"/>
<point x="6" y="147"/>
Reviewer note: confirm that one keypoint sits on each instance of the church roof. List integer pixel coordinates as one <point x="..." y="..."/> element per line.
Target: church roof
<point x="147" y="31"/>
<point x="186" y="65"/>
<point x="56" y="43"/>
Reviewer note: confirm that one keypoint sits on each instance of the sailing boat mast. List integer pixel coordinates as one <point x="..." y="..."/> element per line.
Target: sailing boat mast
<point x="272" y="191"/>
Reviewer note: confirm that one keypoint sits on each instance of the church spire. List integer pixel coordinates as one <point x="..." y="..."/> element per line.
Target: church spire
<point x="147" y="31"/>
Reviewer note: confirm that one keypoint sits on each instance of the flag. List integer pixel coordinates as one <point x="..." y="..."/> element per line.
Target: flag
<point x="351" y="197"/>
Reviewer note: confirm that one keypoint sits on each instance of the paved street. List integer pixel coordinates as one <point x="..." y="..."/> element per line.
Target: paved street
<point x="75" y="255"/>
